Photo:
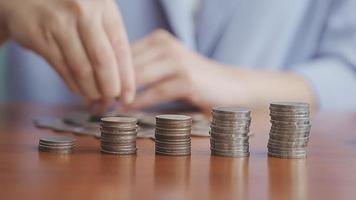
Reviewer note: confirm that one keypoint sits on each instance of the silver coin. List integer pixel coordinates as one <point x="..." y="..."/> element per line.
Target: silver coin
<point x="287" y="138"/>
<point x="119" y="120"/>
<point x="231" y="110"/>
<point x="290" y="109"/>
<point x="172" y="118"/>
<point x="175" y="138"/>
<point x="58" y="139"/>
<point x="56" y="144"/>
<point x="228" y="119"/>
<point x="229" y="148"/>
<point x="235" y="134"/>
<point x="229" y="142"/>
<point x="299" y="122"/>
<point x="290" y="117"/>
<point x="289" y="105"/>
<point x="230" y="154"/>
<point x="187" y="153"/>
<point x="122" y="128"/>
<point x="172" y="138"/>
<point x="281" y="146"/>
<point x="287" y="151"/>
<point x="119" y="152"/>
<point x="231" y="116"/>
<point x="173" y="147"/>
<point x="286" y="156"/>
<point x="122" y="143"/>
<point x="118" y="148"/>
<point x="288" y="131"/>
<point x="184" y="142"/>
<point x="231" y="130"/>
<point x="118" y="137"/>
<point x="172" y="135"/>
<point x="230" y="126"/>
<point x="172" y="150"/>
<point x="170" y="130"/>
<point x="229" y="139"/>
<point x="118" y="134"/>
<point x="288" y="114"/>
<point x="291" y="127"/>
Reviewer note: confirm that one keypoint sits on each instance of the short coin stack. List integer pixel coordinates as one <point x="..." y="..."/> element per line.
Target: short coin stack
<point x="172" y="136"/>
<point x="290" y="130"/>
<point x="229" y="132"/>
<point x="118" y="135"/>
<point x="57" y="144"/>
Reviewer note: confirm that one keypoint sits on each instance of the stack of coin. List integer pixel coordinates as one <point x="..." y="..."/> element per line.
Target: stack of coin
<point x="118" y="135"/>
<point x="172" y="135"/>
<point x="290" y="130"/>
<point x="57" y="144"/>
<point x="229" y="132"/>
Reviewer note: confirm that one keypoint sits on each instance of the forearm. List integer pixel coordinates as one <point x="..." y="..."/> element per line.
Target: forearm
<point x="259" y="88"/>
<point x="265" y="87"/>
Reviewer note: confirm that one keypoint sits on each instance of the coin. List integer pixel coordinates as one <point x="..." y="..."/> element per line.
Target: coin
<point x="172" y="135"/>
<point x="290" y="130"/>
<point x="230" y="153"/>
<point x="131" y="151"/>
<point x="118" y="135"/>
<point x="119" y="120"/>
<point x="57" y="144"/>
<point x="229" y="131"/>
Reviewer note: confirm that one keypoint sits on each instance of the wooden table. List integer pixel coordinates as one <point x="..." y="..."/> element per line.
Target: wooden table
<point x="329" y="172"/>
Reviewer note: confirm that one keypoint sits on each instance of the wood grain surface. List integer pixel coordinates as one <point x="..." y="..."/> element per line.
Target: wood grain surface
<point x="329" y="171"/>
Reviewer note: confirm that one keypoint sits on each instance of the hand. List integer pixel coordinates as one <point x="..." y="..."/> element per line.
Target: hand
<point x="84" y="41"/>
<point x="169" y="71"/>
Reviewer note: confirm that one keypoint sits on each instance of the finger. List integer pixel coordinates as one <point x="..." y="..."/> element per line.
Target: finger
<point x="78" y="62"/>
<point x="154" y="72"/>
<point x="55" y="58"/>
<point x="143" y="53"/>
<point x="141" y="46"/>
<point x="155" y="38"/>
<point x="47" y="47"/>
<point x="166" y="91"/>
<point x="101" y="56"/>
<point x="118" y="38"/>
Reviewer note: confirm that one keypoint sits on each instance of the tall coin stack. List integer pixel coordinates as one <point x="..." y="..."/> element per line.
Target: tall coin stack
<point x="172" y="136"/>
<point x="229" y="132"/>
<point x="118" y="135"/>
<point x="290" y="130"/>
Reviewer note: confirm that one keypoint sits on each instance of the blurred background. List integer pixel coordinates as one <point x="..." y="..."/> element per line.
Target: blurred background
<point x="315" y="39"/>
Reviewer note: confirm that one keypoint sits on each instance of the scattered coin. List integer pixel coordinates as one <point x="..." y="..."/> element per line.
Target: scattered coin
<point x="289" y="134"/>
<point x="118" y="135"/>
<point x="57" y="144"/>
<point x="229" y="132"/>
<point x="172" y="135"/>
